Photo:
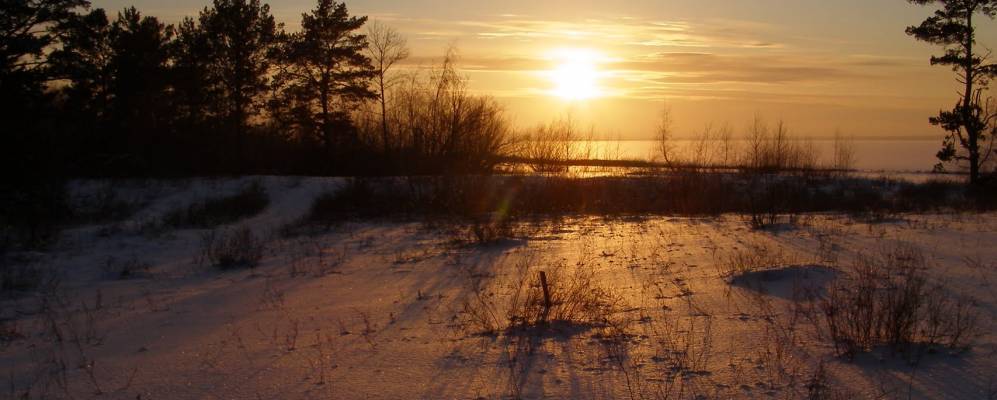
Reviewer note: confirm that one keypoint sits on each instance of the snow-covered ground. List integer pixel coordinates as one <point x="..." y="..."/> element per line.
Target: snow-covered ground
<point x="398" y="310"/>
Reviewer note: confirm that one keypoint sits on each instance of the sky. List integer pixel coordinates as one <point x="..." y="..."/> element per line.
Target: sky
<point x="820" y="66"/>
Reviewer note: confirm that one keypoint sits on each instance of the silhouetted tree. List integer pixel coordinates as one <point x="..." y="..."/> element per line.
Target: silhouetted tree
<point x="442" y="127"/>
<point x="387" y="48"/>
<point x="82" y="61"/>
<point x="238" y="39"/>
<point x="116" y="86"/>
<point x="324" y="72"/>
<point x="139" y="67"/>
<point x="31" y="196"/>
<point x="24" y="37"/>
<point x="190" y="75"/>
<point x="971" y="122"/>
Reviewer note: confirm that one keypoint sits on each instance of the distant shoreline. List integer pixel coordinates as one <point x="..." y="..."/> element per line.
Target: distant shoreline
<point x="794" y="138"/>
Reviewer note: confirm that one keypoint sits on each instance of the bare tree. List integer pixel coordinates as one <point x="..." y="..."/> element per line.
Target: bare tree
<point x="844" y="152"/>
<point x="726" y="136"/>
<point x="665" y="132"/>
<point x="387" y="48"/>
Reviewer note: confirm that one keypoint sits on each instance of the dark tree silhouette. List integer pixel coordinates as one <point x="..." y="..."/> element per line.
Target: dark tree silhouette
<point x="26" y="33"/>
<point x="190" y="75"/>
<point x="238" y="39"/>
<point x="31" y="195"/>
<point x="24" y="36"/>
<point x="140" y="69"/>
<point x="88" y="95"/>
<point x="970" y="124"/>
<point x="116" y="88"/>
<point x="83" y="60"/>
<point x="325" y="73"/>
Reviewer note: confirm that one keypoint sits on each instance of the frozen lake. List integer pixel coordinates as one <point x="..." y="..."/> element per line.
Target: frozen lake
<point x="897" y="155"/>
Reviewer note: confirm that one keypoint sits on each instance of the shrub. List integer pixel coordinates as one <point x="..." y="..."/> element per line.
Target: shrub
<point x="357" y="198"/>
<point x="249" y="201"/>
<point x="928" y="196"/>
<point x="577" y="302"/>
<point x="492" y="229"/>
<point x="575" y="299"/>
<point x="550" y="148"/>
<point x="891" y="301"/>
<point x="103" y="205"/>
<point x="748" y="260"/>
<point x="232" y="249"/>
<point x="126" y="268"/>
<point x="768" y="199"/>
<point x="440" y="126"/>
<point x="32" y="214"/>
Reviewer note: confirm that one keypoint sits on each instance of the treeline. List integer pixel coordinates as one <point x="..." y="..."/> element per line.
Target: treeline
<point x="553" y="147"/>
<point x="231" y="91"/>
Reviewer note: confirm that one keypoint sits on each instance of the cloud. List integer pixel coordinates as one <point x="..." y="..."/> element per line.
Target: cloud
<point x="707" y="68"/>
<point x="628" y="31"/>
<point x="654" y="58"/>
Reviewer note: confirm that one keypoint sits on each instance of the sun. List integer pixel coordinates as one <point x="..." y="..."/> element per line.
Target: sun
<point x="576" y="74"/>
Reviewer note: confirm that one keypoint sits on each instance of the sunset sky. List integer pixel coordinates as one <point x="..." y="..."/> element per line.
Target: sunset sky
<point x="819" y="65"/>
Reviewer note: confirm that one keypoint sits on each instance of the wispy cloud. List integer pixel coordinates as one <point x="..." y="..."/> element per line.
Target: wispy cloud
<point x="647" y="58"/>
<point x="617" y="31"/>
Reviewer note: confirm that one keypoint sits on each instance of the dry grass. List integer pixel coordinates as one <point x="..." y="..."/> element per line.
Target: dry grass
<point x="574" y="300"/>
<point x="749" y="259"/>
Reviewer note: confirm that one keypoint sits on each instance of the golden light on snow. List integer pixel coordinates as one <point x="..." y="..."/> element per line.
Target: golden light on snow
<point x="576" y="74"/>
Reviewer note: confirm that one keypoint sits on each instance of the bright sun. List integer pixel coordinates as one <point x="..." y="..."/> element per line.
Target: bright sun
<point x="576" y="76"/>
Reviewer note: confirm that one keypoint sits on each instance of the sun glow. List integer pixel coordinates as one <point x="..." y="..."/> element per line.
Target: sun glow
<point x="576" y="75"/>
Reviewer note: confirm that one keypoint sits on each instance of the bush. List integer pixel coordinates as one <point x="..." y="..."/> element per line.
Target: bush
<point x="232" y="249"/>
<point x="549" y="149"/>
<point x="103" y="205"/>
<point x="766" y="198"/>
<point x="577" y="302"/>
<point x="890" y="301"/>
<point x="749" y="260"/>
<point x="249" y="201"/>
<point x="357" y="198"/>
<point x="125" y="268"/>
<point x="32" y="214"/>
<point x="929" y="196"/>
<point x="575" y="299"/>
<point x="438" y="126"/>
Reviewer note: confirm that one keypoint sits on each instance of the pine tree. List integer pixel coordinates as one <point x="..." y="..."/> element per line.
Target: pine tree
<point x="325" y="72"/>
<point x="238" y="38"/>
<point x="971" y="123"/>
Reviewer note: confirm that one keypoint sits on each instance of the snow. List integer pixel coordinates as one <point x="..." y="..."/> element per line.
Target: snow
<point x="375" y="309"/>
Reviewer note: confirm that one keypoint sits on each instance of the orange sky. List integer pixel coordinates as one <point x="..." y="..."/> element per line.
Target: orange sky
<point x="817" y="64"/>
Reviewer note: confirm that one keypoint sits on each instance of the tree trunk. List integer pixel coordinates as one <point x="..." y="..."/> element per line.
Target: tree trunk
<point x="384" y="115"/>
<point x="967" y="111"/>
<point x="327" y="139"/>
